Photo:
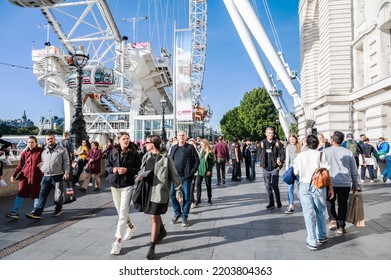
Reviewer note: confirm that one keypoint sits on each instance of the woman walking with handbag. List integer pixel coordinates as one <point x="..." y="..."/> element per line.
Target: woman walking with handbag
<point x="313" y="200"/>
<point x="29" y="175"/>
<point x="94" y="158"/>
<point x="156" y="186"/>
<point x="122" y="165"/>
<point x="291" y="151"/>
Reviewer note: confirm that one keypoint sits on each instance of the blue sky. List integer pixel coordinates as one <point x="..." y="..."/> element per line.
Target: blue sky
<point x="229" y="72"/>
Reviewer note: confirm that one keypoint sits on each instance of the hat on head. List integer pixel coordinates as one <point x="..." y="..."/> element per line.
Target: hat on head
<point x="349" y="136"/>
<point x="338" y="137"/>
<point x="192" y="139"/>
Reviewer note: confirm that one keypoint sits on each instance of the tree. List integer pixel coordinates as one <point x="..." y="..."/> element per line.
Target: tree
<point x="249" y="120"/>
<point x="230" y="125"/>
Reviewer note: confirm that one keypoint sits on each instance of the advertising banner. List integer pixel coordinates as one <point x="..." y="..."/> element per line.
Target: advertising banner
<point x="184" y="108"/>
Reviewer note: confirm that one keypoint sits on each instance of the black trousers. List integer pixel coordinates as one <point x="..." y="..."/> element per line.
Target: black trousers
<point x="271" y="182"/>
<point x="341" y="196"/>
<point x="208" y="182"/>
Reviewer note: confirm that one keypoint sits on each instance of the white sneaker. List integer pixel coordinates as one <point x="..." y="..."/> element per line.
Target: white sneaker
<point x="77" y="185"/>
<point x="90" y="184"/>
<point x="129" y="231"/>
<point x="3" y="183"/>
<point x="116" y="248"/>
<point x="388" y="181"/>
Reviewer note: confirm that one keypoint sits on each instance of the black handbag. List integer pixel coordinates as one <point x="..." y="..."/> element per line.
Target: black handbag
<point x="113" y="179"/>
<point x="137" y="195"/>
<point x="64" y="192"/>
<point x="19" y="176"/>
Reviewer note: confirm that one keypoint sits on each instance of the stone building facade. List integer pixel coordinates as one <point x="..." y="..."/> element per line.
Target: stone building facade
<point x="345" y="67"/>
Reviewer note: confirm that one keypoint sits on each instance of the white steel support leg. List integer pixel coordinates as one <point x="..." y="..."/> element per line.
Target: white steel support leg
<point x="134" y="110"/>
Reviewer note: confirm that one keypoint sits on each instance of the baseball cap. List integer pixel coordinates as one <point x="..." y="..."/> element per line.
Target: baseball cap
<point x="349" y="136"/>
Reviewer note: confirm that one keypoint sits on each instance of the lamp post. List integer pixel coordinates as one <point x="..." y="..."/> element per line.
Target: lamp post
<point x="163" y="105"/>
<point x="277" y="129"/>
<point x="78" y="127"/>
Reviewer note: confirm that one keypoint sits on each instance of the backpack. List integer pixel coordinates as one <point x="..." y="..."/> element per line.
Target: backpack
<point x="321" y="177"/>
<point x="352" y="146"/>
<point x="367" y="151"/>
<point x="253" y="149"/>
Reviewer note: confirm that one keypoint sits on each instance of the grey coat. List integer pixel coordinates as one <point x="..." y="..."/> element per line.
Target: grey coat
<point x="164" y="174"/>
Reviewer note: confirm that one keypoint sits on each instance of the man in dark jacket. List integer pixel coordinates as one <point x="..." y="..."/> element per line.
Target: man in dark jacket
<point x="271" y="159"/>
<point x="186" y="162"/>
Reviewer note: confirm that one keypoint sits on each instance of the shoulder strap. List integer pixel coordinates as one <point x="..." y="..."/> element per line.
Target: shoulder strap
<point x="320" y="158"/>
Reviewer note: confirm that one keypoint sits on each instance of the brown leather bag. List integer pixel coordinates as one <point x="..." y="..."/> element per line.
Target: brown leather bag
<point x="321" y="177"/>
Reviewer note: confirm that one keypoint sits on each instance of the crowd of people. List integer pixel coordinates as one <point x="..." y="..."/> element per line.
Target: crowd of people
<point x="159" y="174"/>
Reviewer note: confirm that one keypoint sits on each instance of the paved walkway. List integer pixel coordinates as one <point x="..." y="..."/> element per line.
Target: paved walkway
<point x="236" y="227"/>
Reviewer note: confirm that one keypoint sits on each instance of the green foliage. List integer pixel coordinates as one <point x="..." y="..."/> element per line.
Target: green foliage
<point x="294" y="129"/>
<point x="249" y="120"/>
<point x="230" y="124"/>
<point x="10" y="130"/>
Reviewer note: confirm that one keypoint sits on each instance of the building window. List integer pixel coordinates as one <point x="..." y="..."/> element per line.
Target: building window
<point x="358" y="62"/>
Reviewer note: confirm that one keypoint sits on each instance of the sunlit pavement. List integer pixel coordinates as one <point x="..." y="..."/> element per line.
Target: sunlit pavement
<point x="237" y="226"/>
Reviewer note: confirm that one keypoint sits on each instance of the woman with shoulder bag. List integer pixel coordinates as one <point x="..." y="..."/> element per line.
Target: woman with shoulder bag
<point x="156" y="186"/>
<point x="122" y="165"/>
<point x="291" y="151"/>
<point x="313" y="200"/>
<point x="29" y="175"/>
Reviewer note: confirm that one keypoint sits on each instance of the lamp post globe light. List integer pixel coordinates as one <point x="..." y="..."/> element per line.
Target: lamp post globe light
<point x="78" y="127"/>
<point x="163" y="105"/>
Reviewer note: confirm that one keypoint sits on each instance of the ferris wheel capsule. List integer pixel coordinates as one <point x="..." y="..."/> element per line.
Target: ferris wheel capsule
<point x="96" y="79"/>
<point x="35" y="3"/>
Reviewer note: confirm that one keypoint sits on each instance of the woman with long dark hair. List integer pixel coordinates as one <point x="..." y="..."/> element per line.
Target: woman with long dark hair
<point x="122" y="165"/>
<point x="155" y="187"/>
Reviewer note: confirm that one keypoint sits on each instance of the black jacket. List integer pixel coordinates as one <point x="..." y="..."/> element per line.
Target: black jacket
<point x="131" y="161"/>
<point x="277" y="152"/>
<point x="191" y="160"/>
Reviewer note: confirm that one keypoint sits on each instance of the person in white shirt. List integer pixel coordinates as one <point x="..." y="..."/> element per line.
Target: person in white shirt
<point x="313" y="200"/>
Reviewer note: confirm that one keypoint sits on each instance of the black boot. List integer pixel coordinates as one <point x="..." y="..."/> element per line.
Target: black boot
<point x="151" y="252"/>
<point x="162" y="234"/>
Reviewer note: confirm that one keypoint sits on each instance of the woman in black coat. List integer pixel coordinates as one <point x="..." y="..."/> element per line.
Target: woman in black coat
<point x="122" y="165"/>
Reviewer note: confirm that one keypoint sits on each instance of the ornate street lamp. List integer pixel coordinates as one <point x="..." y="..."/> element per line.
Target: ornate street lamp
<point x="278" y="129"/>
<point x="163" y="105"/>
<point x="78" y="127"/>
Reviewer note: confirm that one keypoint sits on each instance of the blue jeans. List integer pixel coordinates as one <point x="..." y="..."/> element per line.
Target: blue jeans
<point x="47" y="184"/>
<point x="235" y="170"/>
<point x="291" y="193"/>
<point x="18" y="203"/>
<point x="313" y="202"/>
<point x="186" y="186"/>
<point x="252" y="169"/>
